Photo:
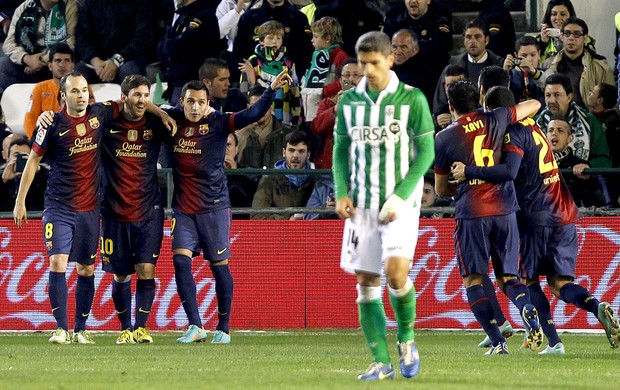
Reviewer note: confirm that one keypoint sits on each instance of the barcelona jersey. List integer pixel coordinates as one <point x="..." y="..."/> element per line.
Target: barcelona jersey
<point x="72" y="148"/>
<point x="477" y="139"/>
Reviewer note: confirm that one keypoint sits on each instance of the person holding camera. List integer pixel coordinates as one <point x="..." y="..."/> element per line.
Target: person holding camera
<point x="527" y="78"/>
<point x="19" y="150"/>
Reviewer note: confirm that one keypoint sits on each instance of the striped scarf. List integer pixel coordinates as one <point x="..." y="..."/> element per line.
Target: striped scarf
<point x="577" y="117"/>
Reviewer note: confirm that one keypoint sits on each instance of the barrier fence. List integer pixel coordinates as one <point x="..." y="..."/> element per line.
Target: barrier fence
<point x="287" y="275"/>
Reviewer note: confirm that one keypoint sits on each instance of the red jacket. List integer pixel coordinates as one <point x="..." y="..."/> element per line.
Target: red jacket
<point x="323" y="126"/>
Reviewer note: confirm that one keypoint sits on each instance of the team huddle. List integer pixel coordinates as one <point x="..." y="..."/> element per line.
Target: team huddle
<point x="511" y="204"/>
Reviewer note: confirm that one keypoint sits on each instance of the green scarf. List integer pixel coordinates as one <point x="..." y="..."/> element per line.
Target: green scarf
<point x="27" y="26"/>
<point x="319" y="68"/>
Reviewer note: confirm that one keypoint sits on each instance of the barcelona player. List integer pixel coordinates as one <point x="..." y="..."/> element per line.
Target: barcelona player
<point x="546" y="221"/>
<point x="132" y="215"/>
<point x="200" y="203"/>
<point x="486" y="224"/>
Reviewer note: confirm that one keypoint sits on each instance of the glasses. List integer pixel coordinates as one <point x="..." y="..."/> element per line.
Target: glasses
<point x="576" y="34"/>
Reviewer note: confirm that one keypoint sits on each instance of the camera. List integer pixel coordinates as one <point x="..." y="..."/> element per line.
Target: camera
<point x="517" y="61"/>
<point x="20" y="163"/>
<point x="554" y="32"/>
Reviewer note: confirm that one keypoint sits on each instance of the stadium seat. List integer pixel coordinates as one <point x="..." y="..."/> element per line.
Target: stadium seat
<point x="14" y="104"/>
<point x="106" y="91"/>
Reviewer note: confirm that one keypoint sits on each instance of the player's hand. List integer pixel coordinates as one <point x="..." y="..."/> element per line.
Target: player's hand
<point x="458" y="171"/>
<point x="392" y="206"/>
<point x="578" y="171"/>
<point x="282" y="79"/>
<point x="210" y="110"/>
<point x="444" y="120"/>
<point x="170" y="123"/>
<point x="345" y="208"/>
<point x="46" y="119"/>
<point x="19" y="213"/>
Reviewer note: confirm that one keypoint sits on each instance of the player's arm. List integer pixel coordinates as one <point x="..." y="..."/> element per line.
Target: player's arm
<point x="505" y="171"/>
<point x="443" y="186"/>
<point x="340" y="166"/>
<point x="170" y="123"/>
<point x="30" y="170"/>
<point x="526" y="109"/>
<point x="252" y="114"/>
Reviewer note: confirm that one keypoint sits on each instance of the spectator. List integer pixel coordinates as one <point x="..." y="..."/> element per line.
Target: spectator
<point x="215" y="75"/>
<point x="588" y="142"/>
<point x="268" y="60"/>
<point x="292" y="190"/>
<point x="586" y="190"/>
<point x="497" y="18"/>
<point x="241" y="188"/>
<point x="260" y="144"/>
<point x="19" y="149"/>
<point x="356" y="17"/>
<point x="123" y="47"/>
<point x="6" y="189"/>
<point x="441" y="114"/>
<point x="432" y="28"/>
<point x="228" y="13"/>
<point x="583" y="66"/>
<point x="550" y="41"/>
<point x="297" y="37"/>
<point x="602" y="103"/>
<point x="411" y="68"/>
<point x="476" y="57"/>
<point x="322" y="196"/>
<point x="6" y="143"/>
<point x="194" y="25"/>
<point x="35" y="27"/>
<point x="45" y="95"/>
<point x="428" y="193"/>
<point x="323" y="124"/>
<point x="327" y="57"/>
<point x="527" y="78"/>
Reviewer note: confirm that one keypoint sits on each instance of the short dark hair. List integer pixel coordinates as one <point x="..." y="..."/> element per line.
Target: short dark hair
<point x="609" y="94"/>
<point x="560" y="117"/>
<point x="575" y="20"/>
<point x="464" y="96"/>
<point x="374" y="41"/>
<point x="296" y="137"/>
<point x="407" y="31"/>
<point x="476" y="23"/>
<point x="256" y="90"/>
<point x="208" y="70"/>
<point x="347" y="61"/>
<point x="455" y="70"/>
<point x="194" y="85"/>
<point x="492" y="76"/>
<point x="19" y="141"/>
<point x="133" y="81"/>
<point x="526" y="40"/>
<point x="561" y="79"/>
<point x="63" y="80"/>
<point x="499" y="96"/>
<point x="61" y="48"/>
<point x="554" y="3"/>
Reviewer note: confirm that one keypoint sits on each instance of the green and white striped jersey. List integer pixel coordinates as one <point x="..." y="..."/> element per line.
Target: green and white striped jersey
<point x="381" y="143"/>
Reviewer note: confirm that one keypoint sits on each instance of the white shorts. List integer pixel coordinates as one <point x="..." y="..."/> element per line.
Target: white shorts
<point x="366" y="244"/>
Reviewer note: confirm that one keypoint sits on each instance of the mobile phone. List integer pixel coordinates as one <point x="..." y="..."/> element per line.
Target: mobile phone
<point x="554" y="32"/>
<point x="20" y="163"/>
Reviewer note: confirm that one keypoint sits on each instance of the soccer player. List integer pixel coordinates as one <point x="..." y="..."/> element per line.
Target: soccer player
<point x="132" y="216"/>
<point x="71" y="217"/>
<point x="383" y="145"/>
<point x="486" y="224"/>
<point x="201" y="204"/>
<point x="546" y="221"/>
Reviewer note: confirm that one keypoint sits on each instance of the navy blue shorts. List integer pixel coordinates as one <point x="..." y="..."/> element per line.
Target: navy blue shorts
<point x="209" y="231"/>
<point x="549" y="251"/>
<point x="478" y="239"/>
<point x="72" y="233"/>
<point x="125" y="244"/>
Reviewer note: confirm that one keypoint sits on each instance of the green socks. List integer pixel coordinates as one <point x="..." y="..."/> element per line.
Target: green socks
<point x="372" y="320"/>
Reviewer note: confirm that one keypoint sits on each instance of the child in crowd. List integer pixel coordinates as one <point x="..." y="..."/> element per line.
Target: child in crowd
<point x="268" y="60"/>
<point x="327" y="57"/>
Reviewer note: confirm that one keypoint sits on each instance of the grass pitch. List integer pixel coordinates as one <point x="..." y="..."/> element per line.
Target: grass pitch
<point x="298" y="360"/>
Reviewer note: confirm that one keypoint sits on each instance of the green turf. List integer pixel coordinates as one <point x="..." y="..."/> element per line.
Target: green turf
<point x="294" y="360"/>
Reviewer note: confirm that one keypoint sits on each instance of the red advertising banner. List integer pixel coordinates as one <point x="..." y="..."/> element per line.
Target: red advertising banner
<point x="287" y="275"/>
